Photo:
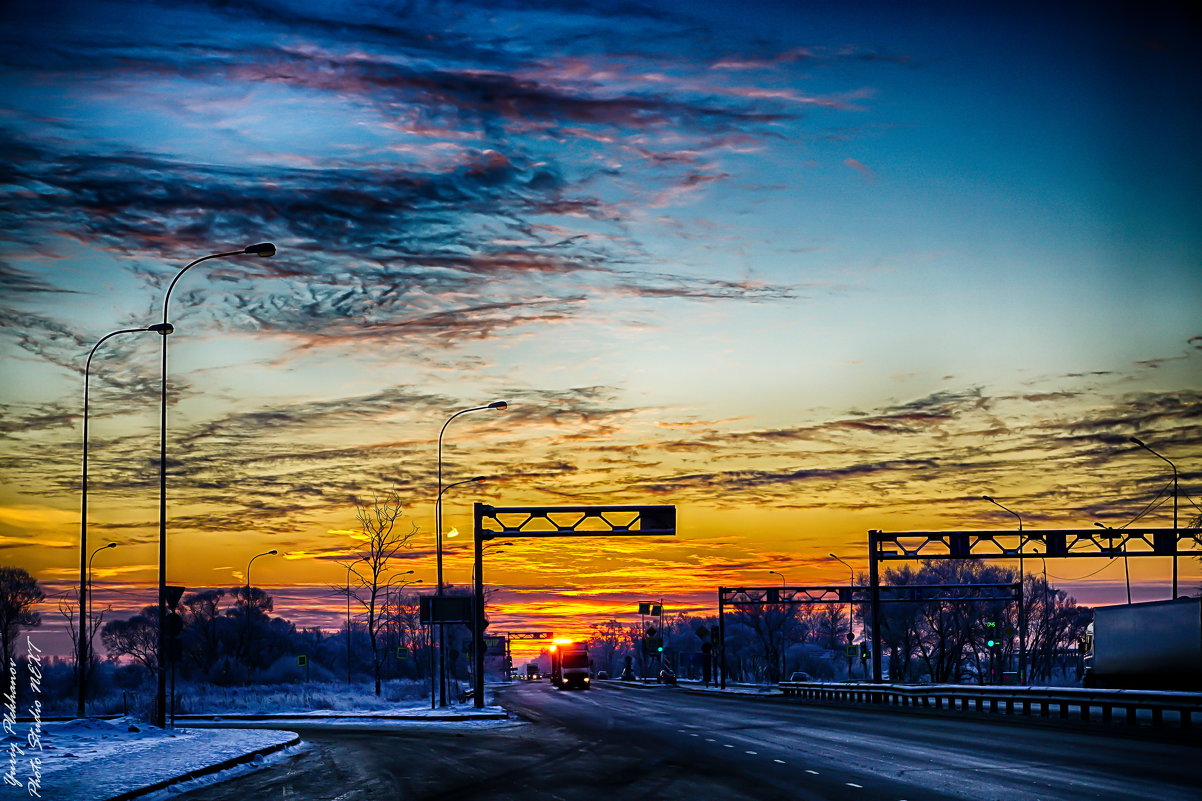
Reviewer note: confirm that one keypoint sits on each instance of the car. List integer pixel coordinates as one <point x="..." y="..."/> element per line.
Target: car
<point x="602" y="674"/>
<point x="800" y="675"/>
<point x="666" y="677"/>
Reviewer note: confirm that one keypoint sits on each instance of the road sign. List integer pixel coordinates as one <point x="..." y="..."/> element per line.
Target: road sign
<point x="445" y="609"/>
<point x="171" y="595"/>
<point x="402" y="652"/>
<point x="853" y="650"/>
<point x="302" y="660"/>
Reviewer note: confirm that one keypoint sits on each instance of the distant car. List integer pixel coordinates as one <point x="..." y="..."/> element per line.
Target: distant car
<point x="602" y="674"/>
<point x="666" y="677"/>
<point x="800" y="675"/>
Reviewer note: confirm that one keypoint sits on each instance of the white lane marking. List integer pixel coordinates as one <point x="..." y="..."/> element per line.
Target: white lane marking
<point x="753" y="753"/>
<point x="694" y="735"/>
<point x="710" y="740"/>
<point x="781" y="761"/>
<point x="859" y="786"/>
<point x="682" y="731"/>
<point x="724" y="745"/>
<point x="812" y="772"/>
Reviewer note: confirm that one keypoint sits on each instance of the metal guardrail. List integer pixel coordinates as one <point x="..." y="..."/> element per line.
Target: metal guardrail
<point x="1183" y="706"/>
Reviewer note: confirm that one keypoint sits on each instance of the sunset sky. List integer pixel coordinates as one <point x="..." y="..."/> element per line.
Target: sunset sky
<point x="801" y="269"/>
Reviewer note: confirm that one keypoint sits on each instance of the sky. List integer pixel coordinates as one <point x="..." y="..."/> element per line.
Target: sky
<point x="800" y="269"/>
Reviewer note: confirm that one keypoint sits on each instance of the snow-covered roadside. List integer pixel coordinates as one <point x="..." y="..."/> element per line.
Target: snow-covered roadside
<point x="96" y="760"/>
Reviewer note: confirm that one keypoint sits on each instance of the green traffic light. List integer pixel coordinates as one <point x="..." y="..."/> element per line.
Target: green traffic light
<point x="990" y="643"/>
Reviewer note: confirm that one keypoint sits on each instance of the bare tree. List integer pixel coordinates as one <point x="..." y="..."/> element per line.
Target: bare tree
<point x="382" y="541"/>
<point x="68" y="607"/>
<point x="137" y="637"/>
<point x="19" y="593"/>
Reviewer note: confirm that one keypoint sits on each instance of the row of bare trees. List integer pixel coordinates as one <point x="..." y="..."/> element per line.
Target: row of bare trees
<point x="938" y="641"/>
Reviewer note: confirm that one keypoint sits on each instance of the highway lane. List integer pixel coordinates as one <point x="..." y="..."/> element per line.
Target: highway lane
<point x="814" y="751"/>
<point x="661" y="743"/>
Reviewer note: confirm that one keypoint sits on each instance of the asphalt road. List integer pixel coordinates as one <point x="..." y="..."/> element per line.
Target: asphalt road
<point x="662" y="743"/>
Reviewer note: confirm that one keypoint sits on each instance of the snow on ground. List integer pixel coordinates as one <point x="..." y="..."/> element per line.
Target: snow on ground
<point x="93" y="760"/>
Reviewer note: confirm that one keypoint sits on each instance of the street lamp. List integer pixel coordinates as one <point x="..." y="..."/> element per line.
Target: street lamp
<point x="348" y="614"/>
<point x="85" y="623"/>
<point x="782" y="577"/>
<point x="851" y="582"/>
<point x="388" y="588"/>
<point x="1157" y="455"/>
<point x="249" y="633"/>
<point x="500" y="406"/>
<point x="1022" y="612"/>
<point x="164" y="329"/>
<point x="83" y="648"/>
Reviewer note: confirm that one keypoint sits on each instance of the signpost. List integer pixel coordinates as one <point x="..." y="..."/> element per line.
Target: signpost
<point x="554" y="521"/>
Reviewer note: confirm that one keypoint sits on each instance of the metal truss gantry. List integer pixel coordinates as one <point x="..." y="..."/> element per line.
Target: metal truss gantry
<point x="1075" y="543"/>
<point x="490" y="522"/>
<point x="835" y="594"/>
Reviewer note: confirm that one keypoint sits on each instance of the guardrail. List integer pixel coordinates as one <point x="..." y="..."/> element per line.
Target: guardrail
<point x="1134" y="705"/>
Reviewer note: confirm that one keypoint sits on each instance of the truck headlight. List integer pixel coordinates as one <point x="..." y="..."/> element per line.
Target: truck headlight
<point x="586" y="679"/>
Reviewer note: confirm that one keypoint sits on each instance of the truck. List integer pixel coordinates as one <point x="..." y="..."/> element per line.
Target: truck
<point x="569" y="665"/>
<point x="1149" y="646"/>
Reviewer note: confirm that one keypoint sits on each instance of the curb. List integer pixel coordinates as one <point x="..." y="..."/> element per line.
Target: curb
<point x="196" y="774"/>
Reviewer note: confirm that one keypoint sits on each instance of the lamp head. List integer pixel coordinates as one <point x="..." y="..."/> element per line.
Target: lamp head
<point x="273" y="552"/>
<point x="163" y="329"/>
<point x="261" y="249"/>
<point x="501" y="405"/>
<point x="1138" y="442"/>
<point x="480" y="478"/>
<point x="987" y="498"/>
<point x="111" y="545"/>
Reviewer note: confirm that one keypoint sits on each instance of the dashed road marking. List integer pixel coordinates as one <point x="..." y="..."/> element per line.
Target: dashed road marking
<point x="753" y="753"/>
<point x="859" y="786"/>
<point x="812" y="772"/>
<point x="710" y="740"/>
<point x="694" y="735"/>
<point x="725" y="745"/>
<point x="781" y="761"/>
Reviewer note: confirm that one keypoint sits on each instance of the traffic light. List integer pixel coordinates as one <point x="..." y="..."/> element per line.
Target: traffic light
<point x="991" y="643"/>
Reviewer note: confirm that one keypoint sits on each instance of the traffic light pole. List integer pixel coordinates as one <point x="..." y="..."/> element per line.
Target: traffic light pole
<point x="722" y="640"/>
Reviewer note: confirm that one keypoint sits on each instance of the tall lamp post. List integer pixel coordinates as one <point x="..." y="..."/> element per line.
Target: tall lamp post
<point x="500" y="406"/>
<point x="349" y="567"/>
<point x="1162" y="458"/>
<point x="851" y="581"/>
<point x="388" y="590"/>
<point x="160" y="706"/>
<point x="782" y="576"/>
<point x="1022" y="606"/>
<point x="435" y="676"/>
<point x="249" y="630"/>
<point x="83" y="648"/>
